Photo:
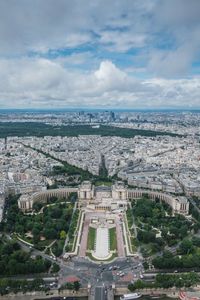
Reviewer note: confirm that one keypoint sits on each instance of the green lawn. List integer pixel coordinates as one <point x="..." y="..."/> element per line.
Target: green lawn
<point x="113" y="239"/>
<point x="91" y="241"/>
<point x="134" y="243"/>
<point x="101" y="182"/>
<point x="91" y="238"/>
<point x="129" y="216"/>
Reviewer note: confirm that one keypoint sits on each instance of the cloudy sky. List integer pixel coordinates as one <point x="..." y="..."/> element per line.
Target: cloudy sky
<point x="100" y="53"/>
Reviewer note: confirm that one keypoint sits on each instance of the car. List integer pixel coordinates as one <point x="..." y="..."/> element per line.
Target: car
<point x="49" y="293"/>
<point x="51" y="284"/>
<point x="132" y="281"/>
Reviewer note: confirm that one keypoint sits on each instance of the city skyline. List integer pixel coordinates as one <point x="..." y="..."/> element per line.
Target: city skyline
<point x="99" y="203"/>
<point x="100" y="54"/>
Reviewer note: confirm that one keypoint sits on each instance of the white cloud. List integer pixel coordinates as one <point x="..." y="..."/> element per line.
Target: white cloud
<point x="149" y="39"/>
<point x="109" y="75"/>
<point x="43" y="83"/>
<point x="54" y="24"/>
<point x="177" y="24"/>
<point x="122" y="41"/>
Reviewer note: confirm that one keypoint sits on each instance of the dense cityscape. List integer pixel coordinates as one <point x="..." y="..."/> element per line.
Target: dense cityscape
<point x="100" y="150"/>
<point x="103" y="179"/>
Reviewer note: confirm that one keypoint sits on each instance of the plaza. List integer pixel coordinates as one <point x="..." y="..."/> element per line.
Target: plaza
<point x="102" y="250"/>
<point x="103" y="208"/>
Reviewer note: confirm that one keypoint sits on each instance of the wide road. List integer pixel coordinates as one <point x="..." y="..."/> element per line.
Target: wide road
<point x="100" y="293"/>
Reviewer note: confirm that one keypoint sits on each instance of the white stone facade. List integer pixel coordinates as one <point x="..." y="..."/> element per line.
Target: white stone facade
<point x="26" y="201"/>
<point x="86" y="191"/>
<point x="104" y="198"/>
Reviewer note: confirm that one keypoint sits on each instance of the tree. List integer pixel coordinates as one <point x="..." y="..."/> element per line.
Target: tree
<point x="50" y="233"/>
<point x="186" y="247"/>
<point x="58" y="248"/>
<point x="146" y="236"/>
<point x="55" y="268"/>
<point x="145" y="265"/>
<point x="37" y="206"/>
<point x="36" y="229"/>
<point x="167" y="254"/>
<point x="196" y="241"/>
<point x="9" y="247"/>
<point x="63" y="235"/>
<point x="183" y="231"/>
<point x="160" y="241"/>
<point x="56" y="212"/>
<point x="12" y="266"/>
<point x="77" y="285"/>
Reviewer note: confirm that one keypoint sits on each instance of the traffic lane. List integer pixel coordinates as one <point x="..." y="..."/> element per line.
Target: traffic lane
<point x="100" y="293"/>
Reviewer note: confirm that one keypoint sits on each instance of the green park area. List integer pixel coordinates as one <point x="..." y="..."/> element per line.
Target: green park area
<point x="158" y="230"/>
<point x="15" y="261"/>
<point x="73" y="231"/>
<point x="103" y="182"/>
<point x="167" y="281"/>
<point x="91" y="238"/>
<point x="69" y="170"/>
<point x="14" y="286"/>
<point x="113" y="239"/>
<point x="40" y="130"/>
<point x="132" y="240"/>
<point x="45" y="229"/>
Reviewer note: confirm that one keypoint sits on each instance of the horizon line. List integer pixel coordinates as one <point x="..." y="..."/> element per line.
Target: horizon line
<point x="101" y="109"/>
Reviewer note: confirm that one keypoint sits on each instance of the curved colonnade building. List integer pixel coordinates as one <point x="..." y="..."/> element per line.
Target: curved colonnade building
<point x="104" y="198"/>
<point x="26" y="201"/>
<point x="179" y="204"/>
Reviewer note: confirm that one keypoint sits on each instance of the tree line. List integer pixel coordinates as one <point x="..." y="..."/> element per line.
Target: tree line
<point x="14" y="261"/>
<point x="167" y="281"/>
<point x="40" y="130"/>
